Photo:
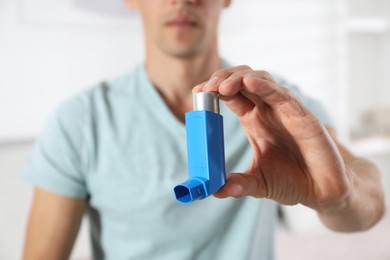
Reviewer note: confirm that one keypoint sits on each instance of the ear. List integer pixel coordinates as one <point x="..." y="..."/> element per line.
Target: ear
<point x="131" y="4"/>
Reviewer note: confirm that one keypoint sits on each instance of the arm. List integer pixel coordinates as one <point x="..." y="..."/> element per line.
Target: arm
<point x="363" y="206"/>
<point x="53" y="225"/>
<point x="295" y="158"/>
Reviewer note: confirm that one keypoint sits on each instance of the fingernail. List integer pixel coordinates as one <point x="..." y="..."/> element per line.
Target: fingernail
<point x="213" y="81"/>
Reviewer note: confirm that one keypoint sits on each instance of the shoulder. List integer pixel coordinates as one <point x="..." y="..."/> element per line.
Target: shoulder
<point x="82" y="104"/>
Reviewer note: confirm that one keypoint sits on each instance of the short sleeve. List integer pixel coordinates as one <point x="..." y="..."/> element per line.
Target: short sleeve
<point x="313" y="105"/>
<point x="57" y="161"/>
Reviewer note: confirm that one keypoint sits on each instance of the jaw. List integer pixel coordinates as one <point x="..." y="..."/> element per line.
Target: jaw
<point x="181" y="43"/>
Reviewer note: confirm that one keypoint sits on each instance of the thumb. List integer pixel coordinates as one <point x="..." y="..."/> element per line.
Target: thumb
<point x="241" y="184"/>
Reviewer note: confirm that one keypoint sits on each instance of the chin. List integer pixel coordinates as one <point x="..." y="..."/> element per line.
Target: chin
<point x="182" y="46"/>
<point x="183" y="53"/>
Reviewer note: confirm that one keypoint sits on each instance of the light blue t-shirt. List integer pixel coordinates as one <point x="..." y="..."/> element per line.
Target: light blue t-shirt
<point x="119" y="146"/>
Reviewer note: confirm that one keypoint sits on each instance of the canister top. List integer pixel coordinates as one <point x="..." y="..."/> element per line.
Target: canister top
<point x="206" y="101"/>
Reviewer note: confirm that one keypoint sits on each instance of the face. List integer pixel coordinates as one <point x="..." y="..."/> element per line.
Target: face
<point x="180" y="28"/>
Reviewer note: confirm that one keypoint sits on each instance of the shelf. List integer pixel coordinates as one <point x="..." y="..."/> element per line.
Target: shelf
<point x="370" y="146"/>
<point x="367" y="25"/>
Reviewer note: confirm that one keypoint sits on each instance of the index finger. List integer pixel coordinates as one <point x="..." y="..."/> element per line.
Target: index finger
<point x="274" y="95"/>
<point x="218" y="77"/>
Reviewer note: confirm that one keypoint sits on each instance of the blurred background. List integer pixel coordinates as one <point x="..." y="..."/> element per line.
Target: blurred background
<point x="337" y="51"/>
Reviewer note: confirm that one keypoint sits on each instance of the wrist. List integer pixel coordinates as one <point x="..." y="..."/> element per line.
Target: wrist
<point x="341" y="199"/>
<point x="357" y="210"/>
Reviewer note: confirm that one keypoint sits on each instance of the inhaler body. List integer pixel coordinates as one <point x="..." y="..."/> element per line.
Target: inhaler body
<point x="205" y="150"/>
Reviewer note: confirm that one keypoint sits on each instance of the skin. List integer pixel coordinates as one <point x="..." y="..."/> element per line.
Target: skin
<point x="53" y="225"/>
<point x="296" y="158"/>
<point x="189" y="53"/>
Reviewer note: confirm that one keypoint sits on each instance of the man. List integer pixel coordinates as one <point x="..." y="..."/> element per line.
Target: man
<point x="118" y="149"/>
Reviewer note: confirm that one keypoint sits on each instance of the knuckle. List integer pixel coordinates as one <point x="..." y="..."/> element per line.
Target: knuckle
<point x="266" y="75"/>
<point x="285" y="92"/>
<point x="244" y="67"/>
<point x="221" y="74"/>
<point x="227" y="72"/>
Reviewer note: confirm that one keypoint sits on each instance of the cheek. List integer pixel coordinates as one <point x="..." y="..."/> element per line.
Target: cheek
<point x="150" y="11"/>
<point x="212" y="20"/>
<point x="213" y="10"/>
<point x="150" y="20"/>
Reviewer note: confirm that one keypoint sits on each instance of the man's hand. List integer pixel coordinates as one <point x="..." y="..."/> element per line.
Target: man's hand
<point x="295" y="158"/>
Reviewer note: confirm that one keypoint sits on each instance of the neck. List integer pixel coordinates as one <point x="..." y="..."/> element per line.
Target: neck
<point x="175" y="77"/>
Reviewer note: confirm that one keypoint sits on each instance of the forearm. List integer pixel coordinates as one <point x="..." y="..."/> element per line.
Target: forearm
<point x="363" y="205"/>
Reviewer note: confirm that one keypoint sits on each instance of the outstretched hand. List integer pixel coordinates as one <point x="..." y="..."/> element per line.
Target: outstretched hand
<point x="295" y="160"/>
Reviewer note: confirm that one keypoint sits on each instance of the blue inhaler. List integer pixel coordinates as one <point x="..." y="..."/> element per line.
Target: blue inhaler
<point x="205" y="150"/>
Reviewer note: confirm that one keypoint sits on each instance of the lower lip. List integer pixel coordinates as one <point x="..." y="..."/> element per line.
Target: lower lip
<point x="181" y="25"/>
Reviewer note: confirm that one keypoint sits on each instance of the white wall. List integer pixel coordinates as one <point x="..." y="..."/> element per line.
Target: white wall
<point x="369" y="59"/>
<point x="45" y="58"/>
<point x="293" y="38"/>
<point x="43" y="62"/>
